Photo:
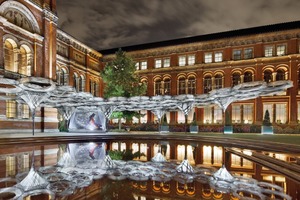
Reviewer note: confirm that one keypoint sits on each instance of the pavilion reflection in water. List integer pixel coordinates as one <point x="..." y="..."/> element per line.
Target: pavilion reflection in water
<point x="96" y="181"/>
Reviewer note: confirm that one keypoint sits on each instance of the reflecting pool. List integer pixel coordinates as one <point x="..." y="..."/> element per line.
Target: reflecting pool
<point x="160" y="170"/>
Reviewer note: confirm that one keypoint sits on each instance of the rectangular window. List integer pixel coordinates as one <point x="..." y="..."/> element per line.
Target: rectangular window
<point x="269" y="107"/>
<point x="248" y="113"/>
<point x="280" y="50"/>
<point x="218" y="57"/>
<point x="144" y="65"/>
<point x="208" y="57"/>
<point x="269" y="51"/>
<point x="10" y="165"/>
<point x="166" y="62"/>
<point x="281" y="112"/>
<point x="182" y="60"/>
<point x="237" y="54"/>
<point x="25" y="162"/>
<point x="158" y="63"/>
<point x="236" y="114"/>
<point x="11" y="109"/>
<point x="137" y="66"/>
<point x="25" y="111"/>
<point x="207" y="115"/>
<point x="218" y="116"/>
<point x="248" y="53"/>
<point x="191" y="59"/>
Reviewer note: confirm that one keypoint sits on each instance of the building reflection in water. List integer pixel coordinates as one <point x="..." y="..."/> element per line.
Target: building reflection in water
<point x="16" y="161"/>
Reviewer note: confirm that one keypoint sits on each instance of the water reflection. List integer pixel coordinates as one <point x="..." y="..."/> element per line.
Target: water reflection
<point x="87" y="167"/>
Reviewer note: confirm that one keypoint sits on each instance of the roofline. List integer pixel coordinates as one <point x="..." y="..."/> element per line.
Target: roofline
<point x="207" y="37"/>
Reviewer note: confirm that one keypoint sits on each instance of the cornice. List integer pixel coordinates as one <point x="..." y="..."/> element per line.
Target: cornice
<point x="49" y="15"/>
<point x="212" y="45"/>
<point x="66" y="38"/>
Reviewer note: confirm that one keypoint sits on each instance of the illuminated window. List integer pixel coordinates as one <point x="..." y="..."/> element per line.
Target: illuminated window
<point x="166" y="62"/>
<point x="281" y="113"/>
<point x="207" y="154"/>
<point x="25" y="111"/>
<point x="191" y="85"/>
<point x="157" y="87"/>
<point x="10" y="165"/>
<point x="182" y="60"/>
<point x="25" y="60"/>
<point x="269" y="51"/>
<point x="236" y="113"/>
<point x="218" y="81"/>
<point x="137" y="66"/>
<point x="237" y="54"/>
<point x="191" y="59"/>
<point x="248" y="53"/>
<point x="208" y="57"/>
<point x="180" y="152"/>
<point x="167" y="86"/>
<point x="207" y="84"/>
<point x="218" y="57"/>
<point x="207" y="115"/>
<point x="11" y="109"/>
<point x="269" y="107"/>
<point x="280" y="50"/>
<point x="236" y="161"/>
<point x="9" y="63"/>
<point x="158" y="63"/>
<point x="218" y="155"/>
<point x="218" y="115"/>
<point x="248" y="113"/>
<point x="144" y="65"/>
<point x="25" y="162"/>
<point x="181" y="86"/>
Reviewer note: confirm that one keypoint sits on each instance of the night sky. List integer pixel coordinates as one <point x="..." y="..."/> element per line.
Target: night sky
<point x="106" y="24"/>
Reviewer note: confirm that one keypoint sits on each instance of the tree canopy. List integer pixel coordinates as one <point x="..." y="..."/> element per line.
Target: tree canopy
<point x="120" y="78"/>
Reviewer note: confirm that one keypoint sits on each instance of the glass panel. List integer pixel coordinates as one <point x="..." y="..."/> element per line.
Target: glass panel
<point x="218" y="57"/>
<point x="208" y="57"/>
<point x="191" y="59"/>
<point x="269" y="51"/>
<point x="182" y="61"/>
<point x="248" y="113"/>
<point x="207" y="115"/>
<point x="218" y="117"/>
<point x="281" y="112"/>
<point x="236" y="114"/>
<point x="167" y="62"/>
<point x="268" y="107"/>
<point x="158" y="63"/>
<point x="237" y="54"/>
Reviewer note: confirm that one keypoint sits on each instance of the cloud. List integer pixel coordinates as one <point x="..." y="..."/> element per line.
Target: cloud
<point x="105" y="24"/>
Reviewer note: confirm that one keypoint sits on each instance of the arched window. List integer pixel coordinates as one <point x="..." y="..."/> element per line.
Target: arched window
<point x="62" y="77"/>
<point x="267" y="76"/>
<point x="280" y="75"/>
<point x="94" y="88"/>
<point x="191" y="85"/>
<point x="9" y="47"/>
<point x="207" y="84"/>
<point x="76" y="82"/>
<point x="157" y="87"/>
<point x="218" y="81"/>
<point x="25" y="60"/>
<point x="236" y="78"/>
<point x="81" y="84"/>
<point x="167" y="86"/>
<point x="181" y="85"/>
<point x="248" y="77"/>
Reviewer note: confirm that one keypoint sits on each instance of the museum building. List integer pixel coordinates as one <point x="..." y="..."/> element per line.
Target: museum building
<point x="33" y="45"/>
<point x="199" y="64"/>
